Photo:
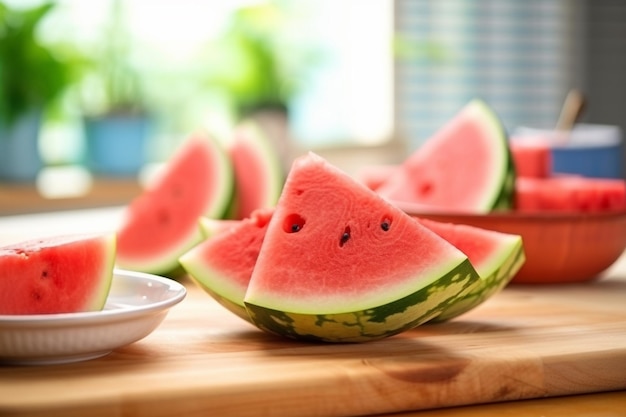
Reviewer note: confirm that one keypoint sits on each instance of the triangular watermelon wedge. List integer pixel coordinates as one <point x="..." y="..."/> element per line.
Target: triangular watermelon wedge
<point x="162" y="223"/>
<point x="496" y="256"/>
<point x="222" y="264"/>
<point x="340" y="264"/>
<point x="465" y="167"/>
<point x="258" y="170"/>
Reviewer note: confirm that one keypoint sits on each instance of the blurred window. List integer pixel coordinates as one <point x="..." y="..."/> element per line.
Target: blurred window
<point x="520" y="56"/>
<point x="353" y="86"/>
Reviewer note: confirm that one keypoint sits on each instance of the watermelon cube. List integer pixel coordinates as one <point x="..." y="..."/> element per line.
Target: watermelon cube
<point x="531" y="158"/>
<point x="569" y="193"/>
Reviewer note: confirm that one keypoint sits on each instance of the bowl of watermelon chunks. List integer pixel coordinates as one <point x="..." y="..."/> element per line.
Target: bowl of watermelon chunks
<point x="469" y="172"/>
<point x="573" y="228"/>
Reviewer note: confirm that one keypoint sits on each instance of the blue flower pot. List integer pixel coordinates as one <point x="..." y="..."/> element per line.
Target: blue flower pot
<point x="116" y="145"/>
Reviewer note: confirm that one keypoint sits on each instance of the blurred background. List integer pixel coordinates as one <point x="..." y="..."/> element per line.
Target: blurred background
<point x="359" y="82"/>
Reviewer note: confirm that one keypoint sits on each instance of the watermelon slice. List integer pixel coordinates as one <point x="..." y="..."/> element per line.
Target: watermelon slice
<point x="340" y="264"/>
<point x="223" y="263"/>
<point x="258" y="171"/>
<point x="58" y="274"/>
<point x="465" y="167"/>
<point x="162" y="223"/>
<point x="496" y="257"/>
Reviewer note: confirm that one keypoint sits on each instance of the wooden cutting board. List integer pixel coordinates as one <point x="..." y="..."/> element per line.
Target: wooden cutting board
<point x="527" y="342"/>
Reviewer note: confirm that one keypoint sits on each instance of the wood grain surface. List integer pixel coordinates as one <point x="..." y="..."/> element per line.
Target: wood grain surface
<point x="527" y="342"/>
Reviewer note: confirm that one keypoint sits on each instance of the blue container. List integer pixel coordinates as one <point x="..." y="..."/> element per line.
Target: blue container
<point x="591" y="150"/>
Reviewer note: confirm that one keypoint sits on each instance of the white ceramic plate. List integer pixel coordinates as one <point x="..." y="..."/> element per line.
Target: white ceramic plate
<point x="136" y="305"/>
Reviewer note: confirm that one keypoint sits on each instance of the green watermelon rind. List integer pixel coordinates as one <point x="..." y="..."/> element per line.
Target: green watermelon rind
<point x="370" y="324"/>
<point x="503" y="197"/>
<point x="487" y="286"/>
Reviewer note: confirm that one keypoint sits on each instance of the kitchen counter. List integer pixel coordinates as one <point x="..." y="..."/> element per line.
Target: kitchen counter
<point x="19" y="198"/>
<point x="530" y="350"/>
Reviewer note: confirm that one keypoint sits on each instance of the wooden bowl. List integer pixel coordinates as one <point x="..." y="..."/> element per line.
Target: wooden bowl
<point x="559" y="247"/>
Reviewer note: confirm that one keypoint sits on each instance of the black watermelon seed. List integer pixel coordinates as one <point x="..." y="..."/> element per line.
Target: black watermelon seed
<point x="293" y="223"/>
<point x="345" y="236"/>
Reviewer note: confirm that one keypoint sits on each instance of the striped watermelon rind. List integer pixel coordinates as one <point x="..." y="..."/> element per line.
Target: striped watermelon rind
<point x="510" y="259"/>
<point x="370" y="324"/>
<point x="449" y="286"/>
<point x="503" y="191"/>
<point x="486" y="286"/>
<point x="504" y="197"/>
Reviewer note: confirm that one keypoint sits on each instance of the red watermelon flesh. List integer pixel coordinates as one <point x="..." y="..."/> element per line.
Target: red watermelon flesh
<point x="258" y="170"/>
<point x="465" y="167"/>
<point x="570" y="194"/>
<point x="60" y="274"/>
<point x="532" y="158"/>
<point x="162" y="223"/>
<point x="335" y="246"/>
<point x="479" y="245"/>
<point x="496" y="256"/>
<point x="222" y="264"/>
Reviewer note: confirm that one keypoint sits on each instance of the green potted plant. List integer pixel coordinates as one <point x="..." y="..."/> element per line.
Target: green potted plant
<point x="252" y="63"/>
<point x="257" y="69"/>
<point x="32" y="78"/>
<point x="117" y="123"/>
